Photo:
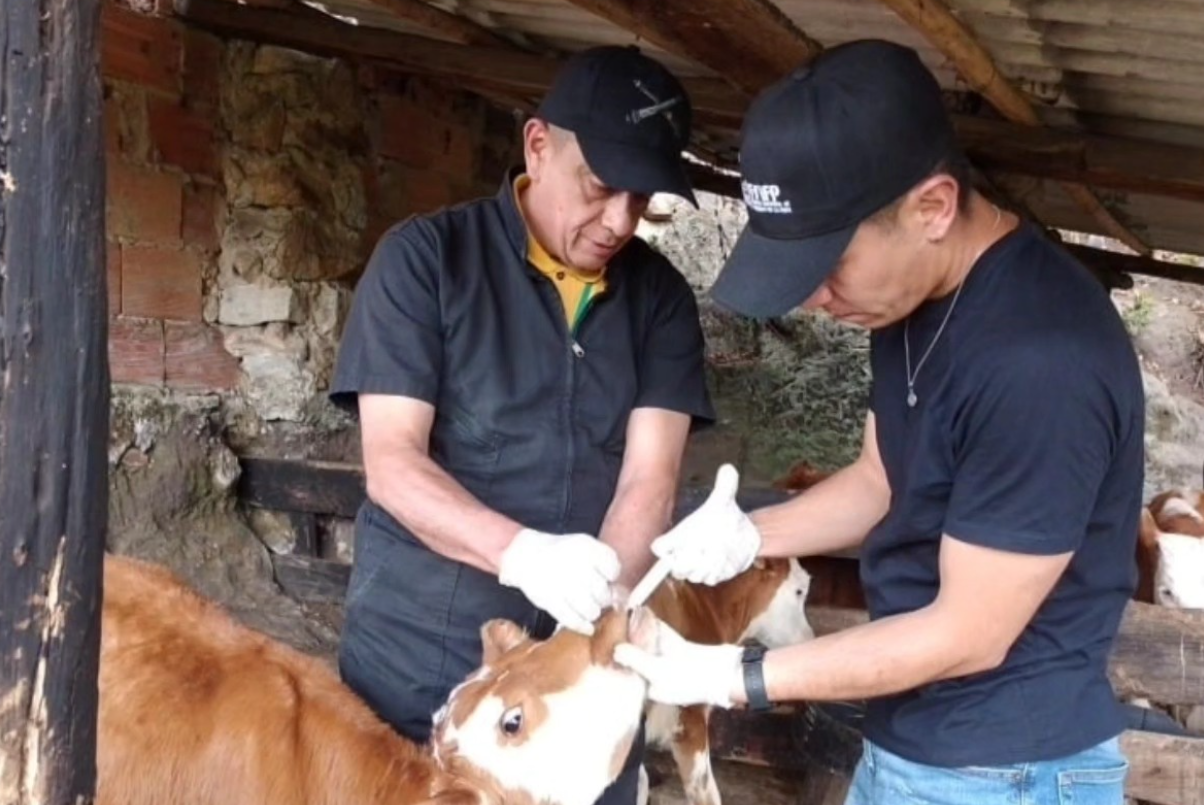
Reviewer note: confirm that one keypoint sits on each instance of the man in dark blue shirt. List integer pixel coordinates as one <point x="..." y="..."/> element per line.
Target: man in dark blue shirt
<point x="996" y="499"/>
<point x="526" y="372"/>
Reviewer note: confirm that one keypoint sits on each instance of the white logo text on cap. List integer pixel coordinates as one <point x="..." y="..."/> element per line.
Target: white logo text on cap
<point x="765" y="198"/>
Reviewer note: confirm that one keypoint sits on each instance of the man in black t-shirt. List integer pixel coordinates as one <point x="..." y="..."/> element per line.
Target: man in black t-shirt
<point x="996" y="499"/>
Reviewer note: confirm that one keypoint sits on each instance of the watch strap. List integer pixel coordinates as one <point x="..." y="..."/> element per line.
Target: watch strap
<point x="751" y="661"/>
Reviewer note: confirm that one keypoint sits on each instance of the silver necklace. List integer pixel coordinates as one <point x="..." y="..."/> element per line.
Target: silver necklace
<point x="911" y="377"/>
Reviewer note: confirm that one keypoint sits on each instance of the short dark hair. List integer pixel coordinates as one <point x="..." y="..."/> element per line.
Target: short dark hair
<point x="954" y="164"/>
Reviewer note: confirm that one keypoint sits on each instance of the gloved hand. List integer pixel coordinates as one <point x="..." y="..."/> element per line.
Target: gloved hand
<point x="714" y="542"/>
<point x="683" y="673"/>
<point x="566" y="575"/>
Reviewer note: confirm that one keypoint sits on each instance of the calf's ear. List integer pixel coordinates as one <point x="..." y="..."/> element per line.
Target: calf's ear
<point x="499" y="636"/>
<point x="609" y="631"/>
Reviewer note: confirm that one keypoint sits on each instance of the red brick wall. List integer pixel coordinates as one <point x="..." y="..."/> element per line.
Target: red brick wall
<point x="426" y="146"/>
<point x="161" y="101"/>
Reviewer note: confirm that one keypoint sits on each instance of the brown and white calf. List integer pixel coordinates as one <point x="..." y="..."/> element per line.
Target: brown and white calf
<point x="196" y="709"/>
<point x="1171" y="550"/>
<point x="1170" y="561"/>
<point x="765" y="603"/>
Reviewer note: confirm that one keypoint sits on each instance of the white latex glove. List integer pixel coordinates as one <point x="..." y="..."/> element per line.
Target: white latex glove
<point x="683" y="673"/>
<point x="566" y="575"/>
<point x="714" y="542"/>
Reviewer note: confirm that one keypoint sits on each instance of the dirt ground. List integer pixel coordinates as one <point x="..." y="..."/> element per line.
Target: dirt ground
<point x="1165" y="318"/>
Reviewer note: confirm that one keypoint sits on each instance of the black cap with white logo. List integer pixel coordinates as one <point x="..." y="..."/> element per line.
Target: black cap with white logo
<point x="822" y="150"/>
<point x="632" y="118"/>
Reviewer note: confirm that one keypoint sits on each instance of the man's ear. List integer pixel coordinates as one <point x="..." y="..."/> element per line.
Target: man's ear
<point x="935" y="205"/>
<point x="537" y="146"/>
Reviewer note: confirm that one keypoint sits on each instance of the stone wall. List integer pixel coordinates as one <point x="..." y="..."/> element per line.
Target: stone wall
<point x="247" y="186"/>
<point x="794" y="391"/>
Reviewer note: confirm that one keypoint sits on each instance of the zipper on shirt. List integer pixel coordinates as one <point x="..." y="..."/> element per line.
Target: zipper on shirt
<point x="587" y="296"/>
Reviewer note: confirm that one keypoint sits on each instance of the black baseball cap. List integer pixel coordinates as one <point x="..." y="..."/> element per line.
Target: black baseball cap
<point x="822" y="150"/>
<point x="631" y="116"/>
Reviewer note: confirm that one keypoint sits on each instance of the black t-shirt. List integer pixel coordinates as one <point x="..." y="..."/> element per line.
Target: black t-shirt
<point x="1027" y="436"/>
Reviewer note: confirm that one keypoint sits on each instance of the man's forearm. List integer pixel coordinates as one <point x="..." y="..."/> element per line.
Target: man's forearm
<point x="875" y="659"/>
<point x="639" y="513"/>
<point x="832" y="516"/>
<point x="439" y="511"/>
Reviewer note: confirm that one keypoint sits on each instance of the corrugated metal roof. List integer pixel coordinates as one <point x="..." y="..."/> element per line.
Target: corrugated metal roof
<point x="1113" y="67"/>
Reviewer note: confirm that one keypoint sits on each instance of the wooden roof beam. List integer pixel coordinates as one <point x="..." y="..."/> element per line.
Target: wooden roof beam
<point x="751" y="43"/>
<point x="503" y="68"/>
<point x="311" y="31"/>
<point x="444" y="23"/>
<point x="1116" y="163"/>
<point x="934" y="19"/>
<point x="508" y="75"/>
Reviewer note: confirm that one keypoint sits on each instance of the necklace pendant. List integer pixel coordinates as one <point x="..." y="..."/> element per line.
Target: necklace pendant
<point x="911" y="399"/>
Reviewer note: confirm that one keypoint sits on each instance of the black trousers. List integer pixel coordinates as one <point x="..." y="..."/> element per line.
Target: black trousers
<point x="411" y="632"/>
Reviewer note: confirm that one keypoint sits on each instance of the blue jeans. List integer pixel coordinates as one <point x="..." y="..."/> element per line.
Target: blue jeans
<point x="1095" y="776"/>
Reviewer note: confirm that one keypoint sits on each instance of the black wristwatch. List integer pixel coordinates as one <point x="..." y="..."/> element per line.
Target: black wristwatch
<point x="754" y="677"/>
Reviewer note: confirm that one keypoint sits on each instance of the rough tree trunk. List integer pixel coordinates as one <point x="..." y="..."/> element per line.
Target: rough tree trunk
<point x="54" y="396"/>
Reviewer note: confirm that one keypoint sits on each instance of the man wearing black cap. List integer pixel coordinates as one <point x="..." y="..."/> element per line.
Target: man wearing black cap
<point x="996" y="499"/>
<point x="526" y="373"/>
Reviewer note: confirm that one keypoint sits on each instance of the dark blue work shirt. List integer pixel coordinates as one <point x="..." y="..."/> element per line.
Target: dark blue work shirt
<point x="529" y="418"/>
<point x="1027" y="436"/>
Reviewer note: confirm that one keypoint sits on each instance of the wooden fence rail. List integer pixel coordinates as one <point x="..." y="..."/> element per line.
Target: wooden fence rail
<point x="1159" y="652"/>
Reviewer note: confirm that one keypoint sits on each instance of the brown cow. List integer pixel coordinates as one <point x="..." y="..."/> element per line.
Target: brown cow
<point x="196" y="709"/>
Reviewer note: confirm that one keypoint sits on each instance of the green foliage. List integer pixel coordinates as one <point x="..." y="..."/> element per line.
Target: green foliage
<point x="805" y="398"/>
<point x="1137" y="316"/>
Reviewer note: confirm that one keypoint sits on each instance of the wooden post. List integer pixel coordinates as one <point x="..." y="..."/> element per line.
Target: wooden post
<point x="54" y="396"/>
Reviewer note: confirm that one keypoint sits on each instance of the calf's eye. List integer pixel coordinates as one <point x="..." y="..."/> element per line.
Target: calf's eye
<point x="512" y="721"/>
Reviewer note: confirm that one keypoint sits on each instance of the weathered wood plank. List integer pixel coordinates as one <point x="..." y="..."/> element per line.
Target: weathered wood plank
<point x="305" y="532"/>
<point x="751" y="43"/>
<point x="311" y="580"/>
<point x="444" y="23"/>
<point x="1159" y="652"/>
<point x="1164" y="769"/>
<point x="1136" y="264"/>
<point x="1115" y="163"/>
<point x="509" y="69"/>
<point x="338" y="488"/>
<point x="53" y="399"/>
<point x="315" y="487"/>
<point x="739" y="783"/>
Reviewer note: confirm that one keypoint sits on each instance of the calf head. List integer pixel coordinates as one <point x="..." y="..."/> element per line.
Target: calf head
<point x="544" y="721"/>
<point x="1179" y="577"/>
<point x="771" y="597"/>
<point x="1172" y="540"/>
